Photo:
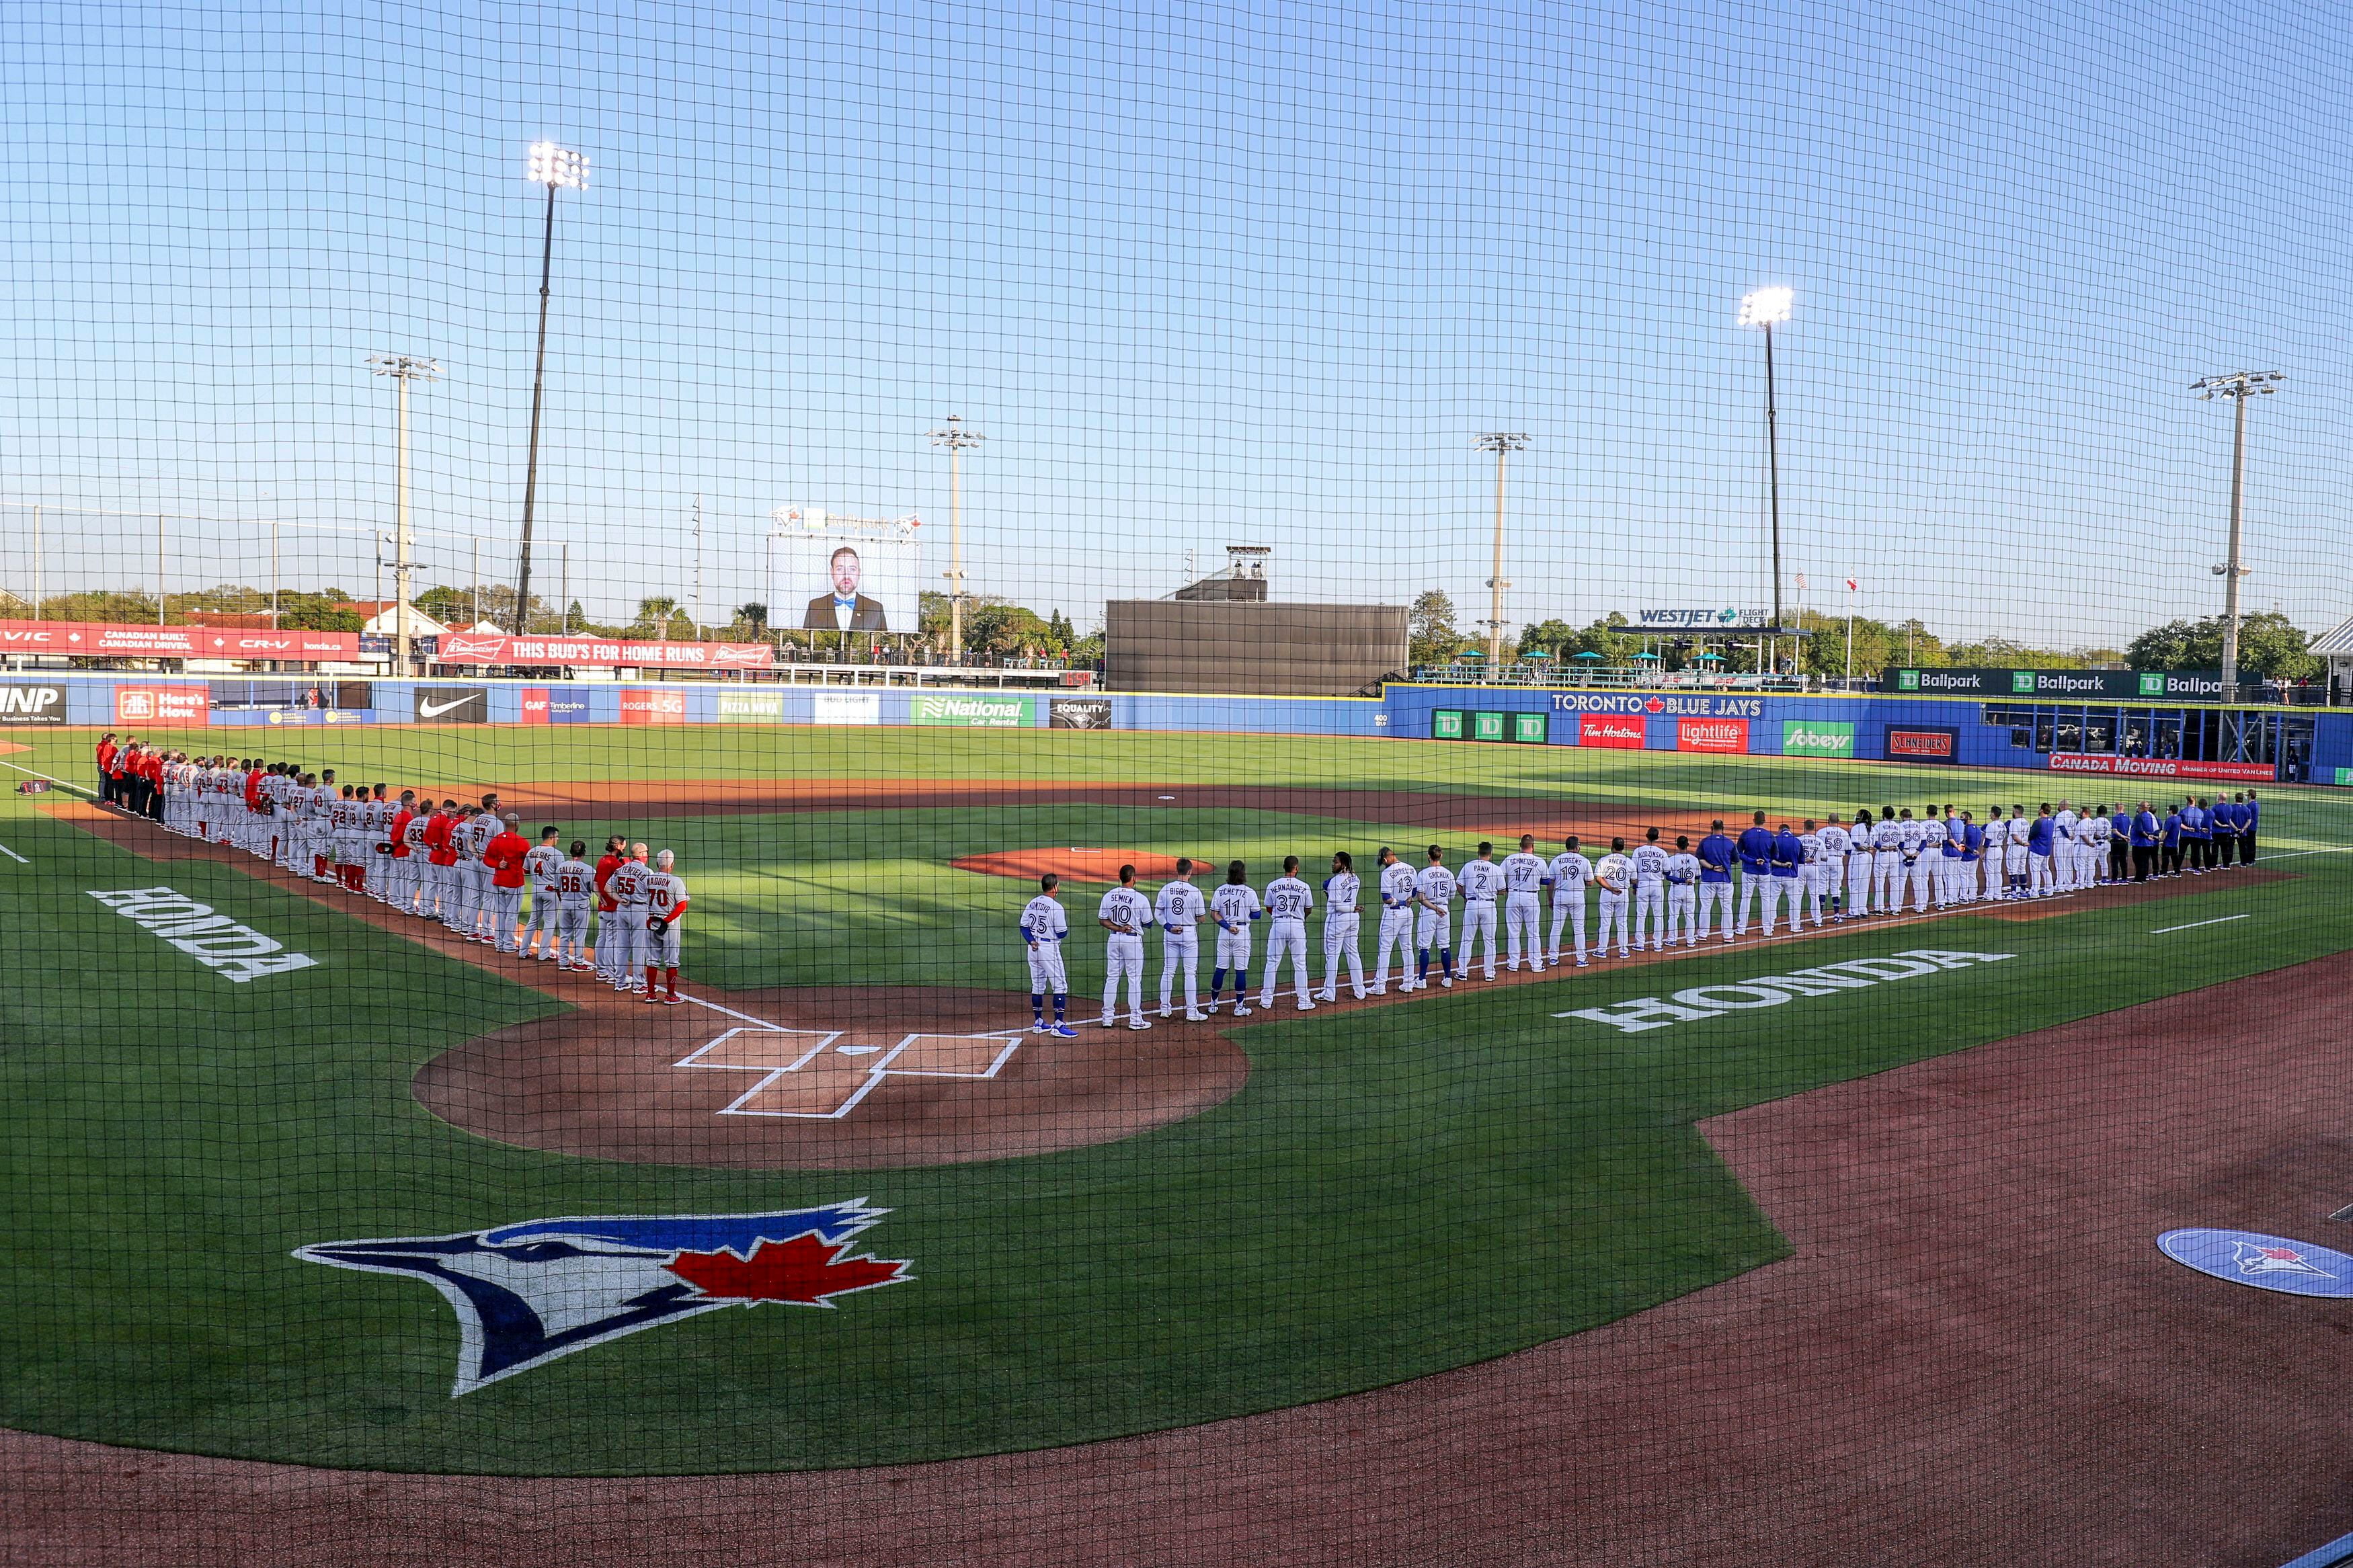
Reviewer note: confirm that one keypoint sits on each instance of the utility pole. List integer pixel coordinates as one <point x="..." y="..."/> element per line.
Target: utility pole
<point x="39" y="590"/>
<point x="2238" y="385"/>
<point x="402" y="369"/>
<point x="557" y="169"/>
<point x="698" y="565"/>
<point x="1499" y="442"/>
<point x="955" y="439"/>
<point x="1765" y="309"/>
<point x="160" y="569"/>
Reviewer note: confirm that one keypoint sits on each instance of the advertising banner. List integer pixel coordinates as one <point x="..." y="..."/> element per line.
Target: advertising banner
<point x="100" y="639"/>
<point x="845" y="707"/>
<point x="604" y="653"/>
<point x="453" y="704"/>
<point x="1811" y="738"/>
<point x="567" y="707"/>
<point x="1446" y="723"/>
<point x="1727" y="735"/>
<point x="976" y="712"/>
<point x="535" y="704"/>
<point x="174" y="705"/>
<point x="283" y="716"/>
<point x="1922" y="742"/>
<point x="1611" y="732"/>
<point x="1079" y="713"/>
<point x="652" y="705"/>
<point x="32" y="703"/>
<point x="2163" y="768"/>
<point x="2090" y="685"/>
<point x="1532" y="728"/>
<point x="751" y="708"/>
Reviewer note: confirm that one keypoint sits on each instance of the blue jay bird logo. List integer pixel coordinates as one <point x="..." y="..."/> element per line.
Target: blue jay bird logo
<point x="527" y="1293"/>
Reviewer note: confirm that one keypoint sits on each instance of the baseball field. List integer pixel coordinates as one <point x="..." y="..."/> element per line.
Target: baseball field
<point x="1115" y="1234"/>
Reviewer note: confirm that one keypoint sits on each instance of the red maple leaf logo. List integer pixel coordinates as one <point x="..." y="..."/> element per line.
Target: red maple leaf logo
<point x="806" y="1269"/>
<point x="1656" y="705"/>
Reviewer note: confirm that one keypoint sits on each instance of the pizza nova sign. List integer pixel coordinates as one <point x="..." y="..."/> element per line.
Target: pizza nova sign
<point x="1698" y="1002"/>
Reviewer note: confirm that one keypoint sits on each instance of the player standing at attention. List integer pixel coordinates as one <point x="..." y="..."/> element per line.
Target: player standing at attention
<point x="1650" y="863"/>
<point x="1756" y="868"/>
<point x="575" y="890"/>
<point x="2120" y="825"/>
<point x="1180" y="909"/>
<point x="626" y="926"/>
<point x="1481" y="881"/>
<point x="540" y="867"/>
<point x="1288" y="900"/>
<point x="1433" y="890"/>
<point x="2063" y="848"/>
<point x="1124" y="912"/>
<point x="1043" y="927"/>
<point x="480" y="828"/>
<point x="1809" y="886"/>
<point x="665" y="906"/>
<point x="1340" y="892"/>
<point x="1717" y="859"/>
<point x="1972" y="841"/>
<point x="1570" y="870"/>
<point x="1615" y="873"/>
<point x="1857" y="904"/>
<point x="1524" y="877"/>
<point x="2197" y="833"/>
<point x="2042" y="837"/>
<point x="1233" y="907"/>
<point x="1997" y="853"/>
<point x="1928" y="862"/>
<point x="1834" y="845"/>
<point x="1789" y="864"/>
<point x="399" y="891"/>
<point x="1682" y="877"/>
<point x="503" y="859"/>
<point x="1397" y="889"/>
<point x="609" y="936"/>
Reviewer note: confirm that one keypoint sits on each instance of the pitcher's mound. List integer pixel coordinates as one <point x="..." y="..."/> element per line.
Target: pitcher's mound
<point x="1072" y="864"/>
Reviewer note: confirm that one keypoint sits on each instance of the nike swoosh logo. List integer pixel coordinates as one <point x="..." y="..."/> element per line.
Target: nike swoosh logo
<point x="430" y="710"/>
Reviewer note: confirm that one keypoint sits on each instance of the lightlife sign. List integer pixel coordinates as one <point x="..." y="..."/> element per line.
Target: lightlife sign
<point x="2119" y="685"/>
<point x="464" y="647"/>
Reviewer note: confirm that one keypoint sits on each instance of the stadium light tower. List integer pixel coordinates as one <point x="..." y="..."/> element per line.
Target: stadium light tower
<point x="2238" y="387"/>
<point x="402" y="369"/>
<point x="1498" y="442"/>
<point x="558" y="169"/>
<point x="1765" y="308"/>
<point x="955" y="439"/>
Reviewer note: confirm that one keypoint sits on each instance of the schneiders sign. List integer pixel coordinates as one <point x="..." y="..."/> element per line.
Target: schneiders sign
<point x="236" y="953"/>
<point x="1700" y="1002"/>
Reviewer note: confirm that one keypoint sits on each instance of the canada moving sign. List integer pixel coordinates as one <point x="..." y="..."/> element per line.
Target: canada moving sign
<point x="462" y="647"/>
<point x="2162" y="768"/>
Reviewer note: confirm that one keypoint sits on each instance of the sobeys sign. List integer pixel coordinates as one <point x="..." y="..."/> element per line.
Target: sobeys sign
<point x="1806" y="738"/>
<point x="976" y="712"/>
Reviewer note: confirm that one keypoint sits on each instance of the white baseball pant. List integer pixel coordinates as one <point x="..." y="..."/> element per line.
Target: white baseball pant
<point x="1477" y="920"/>
<point x="1180" y="950"/>
<point x="1123" y="959"/>
<point x="1568" y="910"/>
<point x="1523" y="930"/>
<point x="1681" y="904"/>
<point x="1650" y="915"/>
<point x="1613" y="914"/>
<point x="1339" y="942"/>
<point x="1046" y="975"/>
<point x="1284" y="938"/>
<point x="1397" y="931"/>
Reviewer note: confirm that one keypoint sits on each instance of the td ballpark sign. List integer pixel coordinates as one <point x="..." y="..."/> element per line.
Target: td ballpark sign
<point x="1699" y="1002"/>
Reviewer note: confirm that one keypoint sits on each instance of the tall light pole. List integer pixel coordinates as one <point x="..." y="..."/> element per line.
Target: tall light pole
<point x="1765" y="309"/>
<point x="557" y="169"/>
<point x="1498" y="442"/>
<point x="955" y="439"/>
<point x="2238" y="387"/>
<point x="402" y="369"/>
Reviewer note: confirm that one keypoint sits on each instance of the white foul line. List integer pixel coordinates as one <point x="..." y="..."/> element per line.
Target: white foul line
<point x="66" y="783"/>
<point x="730" y="1012"/>
<point x="2332" y="849"/>
<point x="2193" y="925"/>
<point x="13" y="856"/>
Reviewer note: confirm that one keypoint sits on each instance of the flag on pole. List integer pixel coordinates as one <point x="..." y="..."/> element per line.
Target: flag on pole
<point x="1851" y="584"/>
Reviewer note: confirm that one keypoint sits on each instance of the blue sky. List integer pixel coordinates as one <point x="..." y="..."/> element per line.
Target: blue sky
<point x="1202" y="274"/>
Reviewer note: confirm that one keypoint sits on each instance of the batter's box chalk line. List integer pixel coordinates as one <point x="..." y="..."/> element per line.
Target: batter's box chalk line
<point x="812" y="1074"/>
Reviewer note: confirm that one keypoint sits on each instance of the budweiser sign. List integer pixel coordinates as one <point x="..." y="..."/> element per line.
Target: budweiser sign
<point x="107" y="639"/>
<point x="463" y="648"/>
<point x="2163" y="768"/>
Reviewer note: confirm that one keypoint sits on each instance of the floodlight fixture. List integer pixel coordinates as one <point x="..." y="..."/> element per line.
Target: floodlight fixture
<point x="1766" y="308"/>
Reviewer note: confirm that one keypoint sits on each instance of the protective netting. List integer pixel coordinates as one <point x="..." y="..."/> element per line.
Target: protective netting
<point x="1211" y="785"/>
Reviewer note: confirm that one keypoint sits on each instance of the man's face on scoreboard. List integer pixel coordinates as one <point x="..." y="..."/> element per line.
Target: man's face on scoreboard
<point x="847" y="573"/>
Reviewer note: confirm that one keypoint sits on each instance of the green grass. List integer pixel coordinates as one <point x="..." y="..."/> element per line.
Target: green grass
<point x="1393" y="1194"/>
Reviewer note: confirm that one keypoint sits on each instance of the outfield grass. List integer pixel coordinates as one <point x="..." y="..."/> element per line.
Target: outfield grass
<point x="1393" y="1193"/>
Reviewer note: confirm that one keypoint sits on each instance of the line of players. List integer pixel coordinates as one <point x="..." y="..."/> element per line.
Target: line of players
<point x="466" y="866"/>
<point x="1648" y="898"/>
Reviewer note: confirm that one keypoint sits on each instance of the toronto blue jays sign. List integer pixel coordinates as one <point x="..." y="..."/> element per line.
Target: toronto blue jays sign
<point x="2266" y="1262"/>
<point x="527" y="1293"/>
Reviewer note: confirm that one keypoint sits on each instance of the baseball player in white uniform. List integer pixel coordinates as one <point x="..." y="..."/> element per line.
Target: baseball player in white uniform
<point x="1233" y="907"/>
<point x="2092" y="836"/>
<point x="1859" y="861"/>
<point x="2065" y="862"/>
<point x="2014" y="860"/>
<point x="1043" y="929"/>
<point x="479" y="829"/>
<point x="1615" y="873"/>
<point x="1340" y="920"/>
<point x="1996" y="847"/>
<point x="1812" y="877"/>
<point x="665" y="906"/>
<point x="575" y="893"/>
<point x="1124" y="913"/>
<point x="539" y="869"/>
<point x="1567" y="877"/>
<point x="1396" y="890"/>
<point x="1829" y="867"/>
<point x="1650" y="863"/>
<point x="624" y="927"/>
<point x="1178" y="910"/>
<point x="1433" y="890"/>
<point x="1887" y="862"/>
<point x="1483" y="884"/>
<point x="1524" y="881"/>
<point x="1683" y="893"/>
<point x="1928" y="864"/>
<point x="1288" y="900"/>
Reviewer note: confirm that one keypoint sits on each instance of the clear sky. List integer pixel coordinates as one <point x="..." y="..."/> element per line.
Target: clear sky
<point x="1203" y="274"/>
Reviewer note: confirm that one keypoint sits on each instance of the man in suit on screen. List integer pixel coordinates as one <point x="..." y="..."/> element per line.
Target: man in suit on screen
<point x="845" y="609"/>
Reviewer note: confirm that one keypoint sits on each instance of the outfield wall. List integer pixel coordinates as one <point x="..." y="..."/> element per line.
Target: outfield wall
<point x="1868" y="727"/>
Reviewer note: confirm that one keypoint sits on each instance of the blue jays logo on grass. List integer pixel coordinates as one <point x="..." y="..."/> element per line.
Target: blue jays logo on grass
<point x="527" y="1293"/>
<point x="2266" y="1262"/>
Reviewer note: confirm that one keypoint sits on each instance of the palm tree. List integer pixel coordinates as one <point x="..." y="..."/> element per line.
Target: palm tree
<point x="657" y="612"/>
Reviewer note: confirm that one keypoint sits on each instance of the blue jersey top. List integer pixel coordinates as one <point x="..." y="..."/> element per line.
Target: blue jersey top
<point x="1757" y="850"/>
<point x="2193" y="822"/>
<point x="2121" y="825"/>
<point x="2247" y="817"/>
<point x="1715" y="858"/>
<point x="1788" y="852"/>
<point x="1972" y="841"/>
<point x="2172" y="828"/>
<point x="2228" y="816"/>
<point x="2039" y="836"/>
<point x="2144" y="830"/>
